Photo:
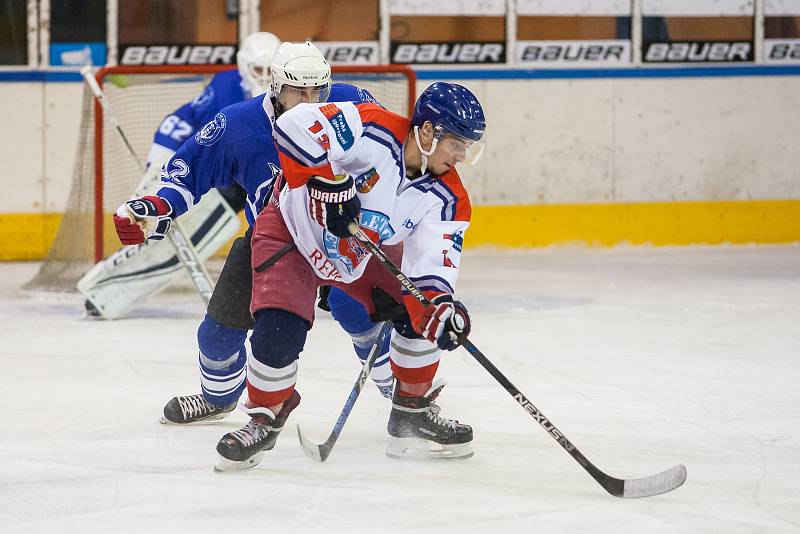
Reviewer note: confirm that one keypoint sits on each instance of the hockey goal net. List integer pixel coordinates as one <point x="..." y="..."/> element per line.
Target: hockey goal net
<point x="104" y="173"/>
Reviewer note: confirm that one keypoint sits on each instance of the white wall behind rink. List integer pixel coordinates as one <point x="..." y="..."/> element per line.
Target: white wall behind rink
<point x="637" y="140"/>
<point x="548" y="141"/>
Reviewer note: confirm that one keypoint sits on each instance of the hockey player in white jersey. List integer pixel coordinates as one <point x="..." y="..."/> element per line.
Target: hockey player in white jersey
<point x="396" y="177"/>
<point x="237" y="148"/>
<point x="125" y="279"/>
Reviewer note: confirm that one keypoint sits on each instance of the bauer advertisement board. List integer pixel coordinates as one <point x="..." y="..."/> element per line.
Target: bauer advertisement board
<point x="177" y="54"/>
<point x="350" y="52"/>
<point x="452" y="53"/>
<point x="782" y="50"/>
<point x="594" y="53"/>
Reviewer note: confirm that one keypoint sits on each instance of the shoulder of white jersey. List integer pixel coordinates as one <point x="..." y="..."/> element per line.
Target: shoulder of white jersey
<point x="452" y="198"/>
<point x="345" y="92"/>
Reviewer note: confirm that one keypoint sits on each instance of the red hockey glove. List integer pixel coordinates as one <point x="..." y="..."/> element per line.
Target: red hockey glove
<point x="442" y="321"/>
<point x="333" y="204"/>
<point x="143" y="218"/>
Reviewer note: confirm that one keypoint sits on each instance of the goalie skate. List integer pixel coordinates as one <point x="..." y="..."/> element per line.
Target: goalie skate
<point x="416" y="430"/>
<point x="245" y="448"/>
<point x="193" y="409"/>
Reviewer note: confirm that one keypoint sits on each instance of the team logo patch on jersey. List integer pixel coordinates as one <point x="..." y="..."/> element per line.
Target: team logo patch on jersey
<point x="377" y="222"/>
<point x="447" y="262"/>
<point x="336" y="118"/>
<point x="211" y="132"/>
<point x="347" y="251"/>
<point x="365" y="182"/>
<point x="457" y="239"/>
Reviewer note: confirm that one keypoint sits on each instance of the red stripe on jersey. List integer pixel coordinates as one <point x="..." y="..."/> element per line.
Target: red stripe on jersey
<point x="397" y="124"/>
<point x="297" y="175"/>
<point x="463" y="207"/>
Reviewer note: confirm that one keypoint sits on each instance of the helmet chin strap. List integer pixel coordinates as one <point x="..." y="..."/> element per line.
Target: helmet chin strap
<point x="423" y="154"/>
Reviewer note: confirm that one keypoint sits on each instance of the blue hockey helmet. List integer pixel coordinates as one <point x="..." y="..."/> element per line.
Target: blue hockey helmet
<point x="450" y="107"/>
<point x="453" y="109"/>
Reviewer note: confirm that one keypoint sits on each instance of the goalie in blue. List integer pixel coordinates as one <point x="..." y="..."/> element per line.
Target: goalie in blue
<point x="236" y="147"/>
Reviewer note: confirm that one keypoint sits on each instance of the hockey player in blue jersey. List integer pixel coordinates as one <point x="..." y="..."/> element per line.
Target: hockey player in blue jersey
<point x="252" y="78"/>
<point x="236" y="147"/>
<point x="117" y="284"/>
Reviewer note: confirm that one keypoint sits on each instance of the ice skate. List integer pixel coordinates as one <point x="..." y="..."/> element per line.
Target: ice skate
<point x="244" y="448"/>
<point x="193" y="409"/>
<point x="416" y="430"/>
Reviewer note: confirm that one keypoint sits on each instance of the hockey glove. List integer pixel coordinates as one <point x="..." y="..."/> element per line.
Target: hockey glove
<point x="443" y="321"/>
<point x="334" y="203"/>
<point x="143" y="218"/>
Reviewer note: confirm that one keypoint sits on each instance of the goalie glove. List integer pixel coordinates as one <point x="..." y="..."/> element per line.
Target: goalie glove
<point x="334" y="203"/>
<point x="143" y="218"/>
<point x="443" y="321"/>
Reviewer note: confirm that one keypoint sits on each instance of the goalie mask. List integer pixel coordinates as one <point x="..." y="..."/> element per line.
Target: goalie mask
<point x="457" y="119"/>
<point x="300" y="74"/>
<point x="253" y="60"/>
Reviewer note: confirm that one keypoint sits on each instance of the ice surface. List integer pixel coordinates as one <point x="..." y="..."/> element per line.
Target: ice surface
<point x="644" y="357"/>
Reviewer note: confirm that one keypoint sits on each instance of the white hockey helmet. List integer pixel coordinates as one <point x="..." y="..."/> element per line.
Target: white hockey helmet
<point x="253" y="60"/>
<point x="300" y="65"/>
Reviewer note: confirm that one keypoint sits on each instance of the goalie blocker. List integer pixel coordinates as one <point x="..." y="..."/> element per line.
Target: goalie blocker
<point x="130" y="275"/>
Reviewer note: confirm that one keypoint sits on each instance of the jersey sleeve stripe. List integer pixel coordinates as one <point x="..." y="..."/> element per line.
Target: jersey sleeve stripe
<point x="462" y="208"/>
<point x="373" y="113"/>
<point x="376" y="136"/>
<point x="291" y="149"/>
<point x="432" y="282"/>
<point x="448" y="200"/>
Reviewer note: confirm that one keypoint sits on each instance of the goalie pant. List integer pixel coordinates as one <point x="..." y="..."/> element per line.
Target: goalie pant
<point x="283" y="307"/>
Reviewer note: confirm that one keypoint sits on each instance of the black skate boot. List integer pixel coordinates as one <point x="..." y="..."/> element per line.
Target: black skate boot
<point x="245" y="448"/>
<point x="417" y="430"/>
<point x="193" y="409"/>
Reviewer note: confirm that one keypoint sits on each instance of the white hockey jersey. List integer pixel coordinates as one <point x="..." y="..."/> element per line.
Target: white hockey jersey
<point x="428" y="214"/>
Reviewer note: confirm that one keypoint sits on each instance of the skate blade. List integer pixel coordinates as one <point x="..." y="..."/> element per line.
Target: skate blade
<point x="224" y="465"/>
<point x="422" y="449"/>
<point x="165" y="421"/>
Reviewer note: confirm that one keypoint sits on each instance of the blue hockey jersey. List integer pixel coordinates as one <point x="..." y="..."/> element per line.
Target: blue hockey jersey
<point x="234" y="147"/>
<point x="224" y="89"/>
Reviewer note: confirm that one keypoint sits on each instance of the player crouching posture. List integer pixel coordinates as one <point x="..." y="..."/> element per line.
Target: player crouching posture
<point x="396" y="177"/>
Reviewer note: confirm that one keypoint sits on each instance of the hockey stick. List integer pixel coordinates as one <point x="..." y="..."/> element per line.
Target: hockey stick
<point x="640" y="487"/>
<point x="184" y="249"/>
<point x="320" y="452"/>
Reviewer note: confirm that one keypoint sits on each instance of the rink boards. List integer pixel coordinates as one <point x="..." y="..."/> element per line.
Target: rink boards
<point x="600" y="156"/>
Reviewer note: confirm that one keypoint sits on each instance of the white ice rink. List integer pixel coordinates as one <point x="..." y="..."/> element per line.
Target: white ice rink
<point x="644" y="358"/>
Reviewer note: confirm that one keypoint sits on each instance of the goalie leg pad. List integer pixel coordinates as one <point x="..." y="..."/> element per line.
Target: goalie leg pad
<point x="131" y="274"/>
<point x="222" y="362"/>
